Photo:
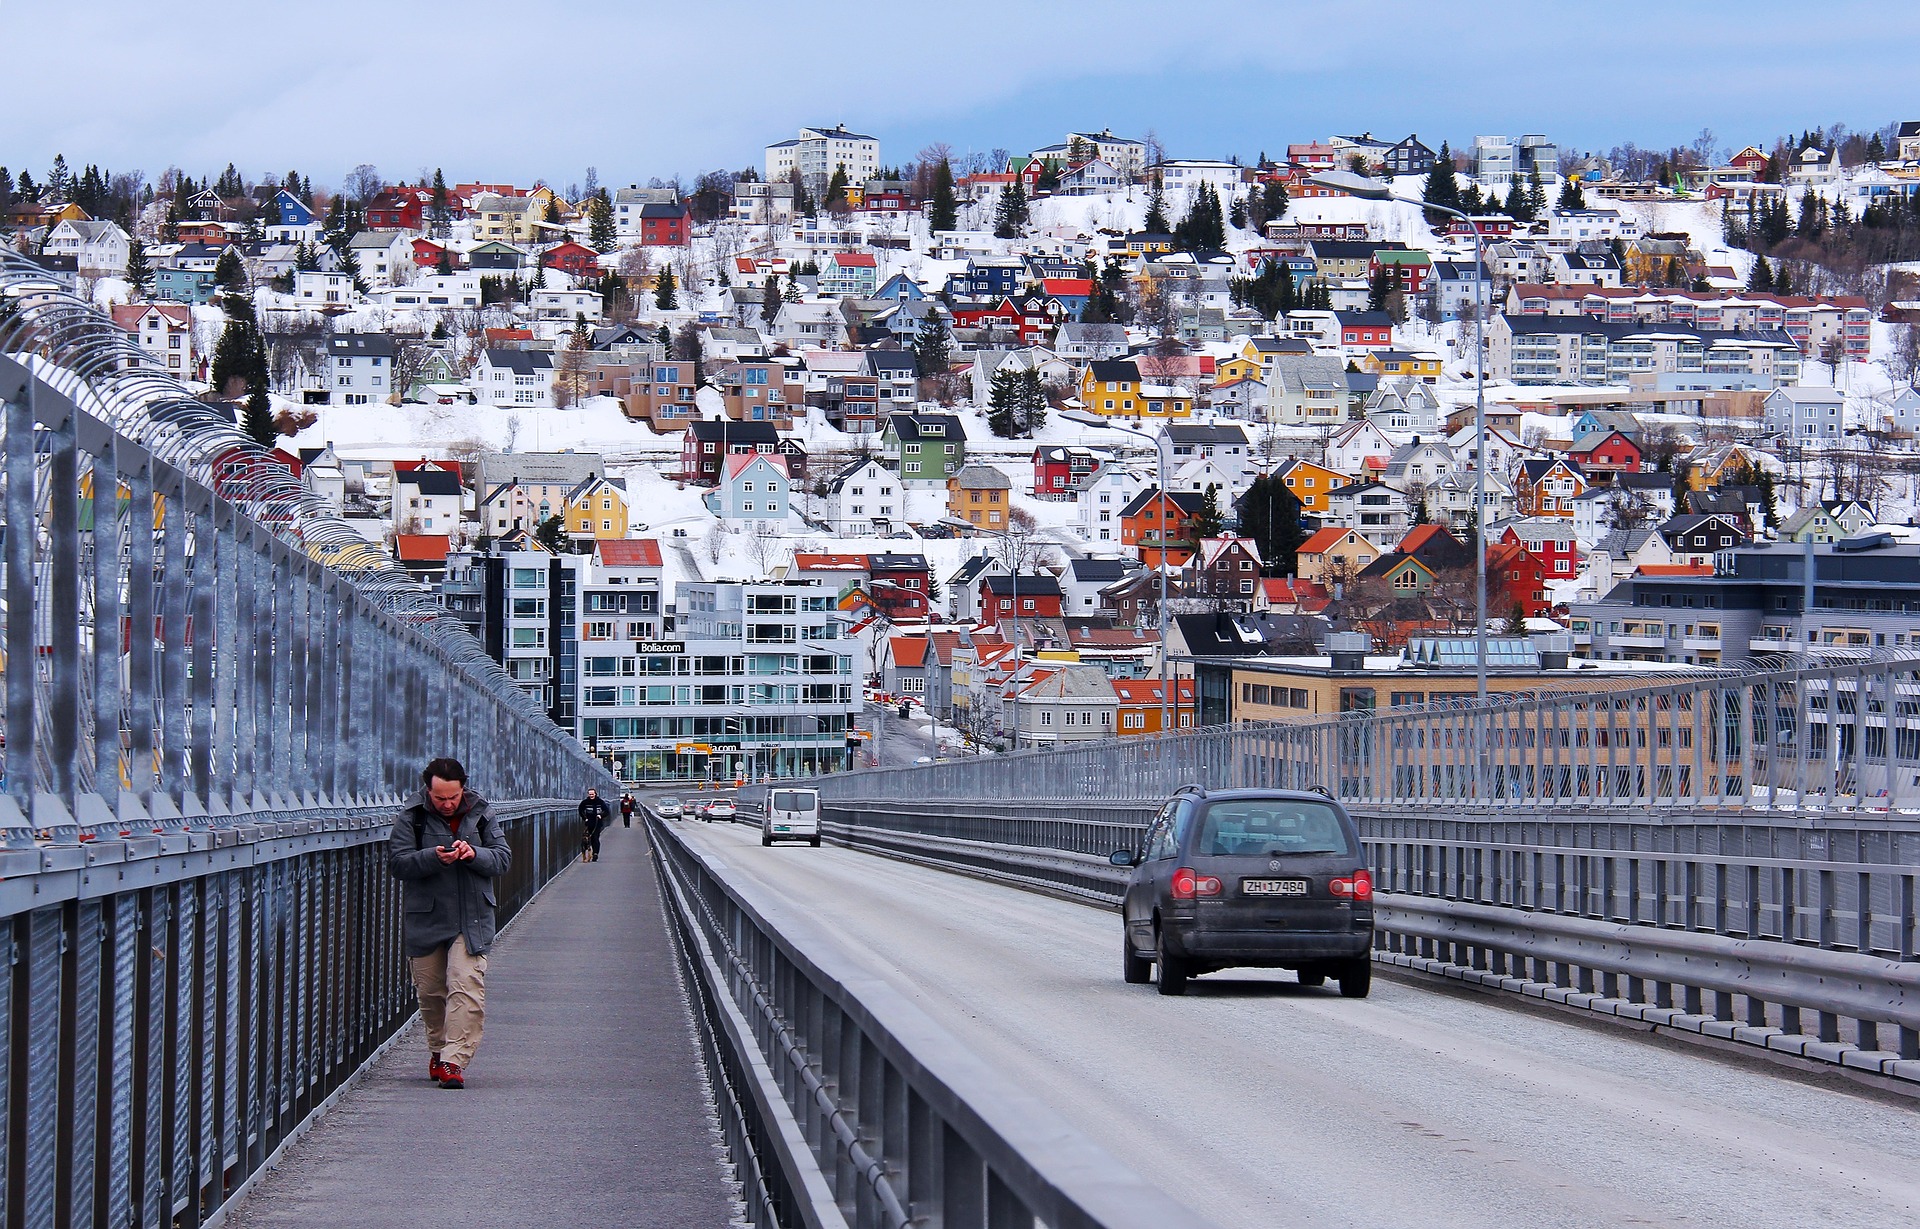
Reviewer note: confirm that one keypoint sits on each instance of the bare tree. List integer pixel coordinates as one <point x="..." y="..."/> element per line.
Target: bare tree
<point x="362" y="183"/>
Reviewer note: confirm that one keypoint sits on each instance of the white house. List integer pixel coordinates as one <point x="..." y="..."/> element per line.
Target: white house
<point x="1451" y="500"/>
<point x="865" y="498"/>
<point x="385" y="256"/>
<point x="1375" y="511"/>
<point x="1567" y="227"/>
<point x="1185" y="175"/>
<point x="817" y="152"/>
<point x="359" y="368"/>
<point x="435" y="292"/>
<point x="1224" y="444"/>
<point x="98" y="248"/>
<point x="322" y="290"/>
<point x="164" y="332"/>
<point x="1902" y="414"/>
<point x="514" y="377"/>
<point x="426" y="500"/>
<point x="1100" y="497"/>
<point x="810" y="324"/>
<point x="753" y="487"/>
<point x="565" y="306"/>
<point x="630" y="200"/>
<point x="1806" y="414"/>
<point x="1352" y="445"/>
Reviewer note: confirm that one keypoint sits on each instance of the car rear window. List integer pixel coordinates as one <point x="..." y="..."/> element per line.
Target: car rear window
<point x="793" y="800"/>
<point x="1271" y="828"/>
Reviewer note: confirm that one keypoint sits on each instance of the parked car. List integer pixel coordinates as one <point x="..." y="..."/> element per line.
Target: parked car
<point x="1273" y="879"/>
<point x="721" y="808"/>
<point x="669" y="807"/>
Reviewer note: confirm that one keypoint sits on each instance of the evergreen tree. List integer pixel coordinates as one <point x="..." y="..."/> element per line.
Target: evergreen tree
<point x="240" y="356"/>
<point x="256" y="419"/>
<point x="1011" y="217"/>
<point x="229" y="273"/>
<point x="350" y="265"/>
<point x="1573" y="196"/>
<point x="1783" y="280"/>
<point x="1876" y="148"/>
<point x="139" y="272"/>
<point x="770" y="299"/>
<point x="1518" y="207"/>
<point x="60" y="180"/>
<point x="1033" y="402"/>
<point x="600" y="235"/>
<point x="444" y="265"/>
<point x="552" y="534"/>
<point x="551" y="214"/>
<point x="1470" y="202"/>
<point x="932" y="347"/>
<point x="1761" y="277"/>
<point x="539" y="281"/>
<point x="663" y="290"/>
<point x="1536" y="194"/>
<point x="1003" y="403"/>
<point x="837" y="190"/>
<point x="1516" y="621"/>
<point x="1208" y="521"/>
<point x="170" y="228"/>
<point x="1156" y="221"/>
<point x="1237" y="213"/>
<point x="1379" y="287"/>
<point x="439" y="210"/>
<point x="943" y="211"/>
<point x="1273" y="202"/>
<point x="1420" y="514"/>
<point x="1442" y="187"/>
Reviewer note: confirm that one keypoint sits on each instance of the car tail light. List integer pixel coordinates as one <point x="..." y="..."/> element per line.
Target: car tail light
<point x="1357" y="886"/>
<point x="1187" y="884"/>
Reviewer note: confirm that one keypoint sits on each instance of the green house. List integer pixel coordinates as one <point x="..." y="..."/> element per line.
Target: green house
<point x="924" y="449"/>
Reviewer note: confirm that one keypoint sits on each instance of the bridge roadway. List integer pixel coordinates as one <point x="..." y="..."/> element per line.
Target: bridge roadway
<point x="584" y="1105"/>
<point x="1259" y="1102"/>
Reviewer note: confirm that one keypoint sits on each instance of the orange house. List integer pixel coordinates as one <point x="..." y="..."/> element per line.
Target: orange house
<point x="1158" y="526"/>
<point x="1309" y="483"/>
<point x="1141" y="701"/>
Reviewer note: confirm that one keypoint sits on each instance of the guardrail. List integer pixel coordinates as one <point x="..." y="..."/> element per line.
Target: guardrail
<point x="1842" y="738"/>
<point x="1779" y="953"/>
<point x="215" y="692"/>
<point x="844" y="1104"/>
<point x="181" y="1007"/>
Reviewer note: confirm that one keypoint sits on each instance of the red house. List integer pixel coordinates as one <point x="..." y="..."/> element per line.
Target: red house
<point x="886" y="198"/>
<point x="573" y="258"/>
<point x="665" y="225"/>
<point x="213" y="234"/>
<point x="1365" y="329"/>
<point x="427" y="254"/>
<point x="1750" y="160"/>
<point x="1026" y="316"/>
<point x="1516" y="571"/>
<point x="399" y="209"/>
<point x="1602" y="454"/>
<point x="1548" y="539"/>
<point x="1496" y="226"/>
<point x="1056" y="470"/>
<point x="898" y="585"/>
<point x="1025" y="597"/>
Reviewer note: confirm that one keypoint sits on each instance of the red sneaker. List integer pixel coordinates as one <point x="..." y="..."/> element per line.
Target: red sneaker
<point x="436" y="1070"/>
<point x="450" y="1076"/>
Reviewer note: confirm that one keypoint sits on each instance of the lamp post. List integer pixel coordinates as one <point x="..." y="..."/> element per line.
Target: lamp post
<point x="1377" y="190"/>
<point x="1160" y="462"/>
<point x="1013" y="596"/>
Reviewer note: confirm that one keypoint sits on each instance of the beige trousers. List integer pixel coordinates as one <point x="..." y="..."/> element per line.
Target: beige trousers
<point x="452" y="988"/>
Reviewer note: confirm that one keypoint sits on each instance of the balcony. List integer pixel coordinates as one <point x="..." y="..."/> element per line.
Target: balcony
<point x="1625" y="640"/>
<point x="1710" y="643"/>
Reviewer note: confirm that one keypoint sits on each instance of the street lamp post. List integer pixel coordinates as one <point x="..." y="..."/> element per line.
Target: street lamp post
<point x="1376" y="190"/>
<point x="1167" y="707"/>
<point x="1013" y="596"/>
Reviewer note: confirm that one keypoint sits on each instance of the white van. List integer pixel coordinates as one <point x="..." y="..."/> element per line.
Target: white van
<point x="792" y="815"/>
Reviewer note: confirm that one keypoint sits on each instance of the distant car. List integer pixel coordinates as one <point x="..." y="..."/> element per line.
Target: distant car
<point x="791" y="815"/>
<point x="669" y="807"/>
<point x="721" y="808"/>
<point x="1272" y="879"/>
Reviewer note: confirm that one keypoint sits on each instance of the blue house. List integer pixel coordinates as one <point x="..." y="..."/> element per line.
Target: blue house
<point x="900" y="287"/>
<point x="754" y="486"/>
<point x="293" y="211"/>
<point x="989" y="277"/>
<point x="182" y="285"/>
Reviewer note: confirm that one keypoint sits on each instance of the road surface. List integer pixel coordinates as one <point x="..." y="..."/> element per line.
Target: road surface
<point x="1261" y="1103"/>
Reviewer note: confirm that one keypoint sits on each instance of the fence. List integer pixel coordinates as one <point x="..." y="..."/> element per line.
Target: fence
<point x="215" y="690"/>
<point x="1835" y="738"/>
<point x="839" y="1099"/>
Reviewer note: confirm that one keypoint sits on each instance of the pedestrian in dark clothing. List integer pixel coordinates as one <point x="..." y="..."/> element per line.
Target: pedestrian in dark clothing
<point x="594" y="814"/>
<point x="447" y="849"/>
<point x="626" y="810"/>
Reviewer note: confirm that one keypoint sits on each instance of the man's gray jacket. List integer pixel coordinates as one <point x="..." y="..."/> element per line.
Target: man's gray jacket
<point x="445" y="900"/>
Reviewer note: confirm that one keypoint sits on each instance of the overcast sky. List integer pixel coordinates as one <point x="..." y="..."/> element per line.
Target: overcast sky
<point x="516" y="91"/>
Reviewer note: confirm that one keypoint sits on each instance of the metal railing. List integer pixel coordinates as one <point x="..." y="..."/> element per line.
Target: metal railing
<point x="843" y="1103"/>
<point x="215" y="692"/>
<point x="1842" y="737"/>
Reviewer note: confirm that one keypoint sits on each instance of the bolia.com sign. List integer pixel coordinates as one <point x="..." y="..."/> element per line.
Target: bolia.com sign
<point x="659" y="648"/>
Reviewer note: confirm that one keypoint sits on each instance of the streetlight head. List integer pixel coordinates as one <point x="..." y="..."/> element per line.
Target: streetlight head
<point x="1353" y="185"/>
<point x="1086" y="418"/>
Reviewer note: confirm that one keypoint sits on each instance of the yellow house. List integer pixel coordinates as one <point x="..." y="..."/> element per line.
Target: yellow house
<point x="978" y="495"/>
<point x="1239" y="367"/>
<point x="1310" y="483"/>
<point x="1165" y="401"/>
<point x="596" y="509"/>
<point x="1423" y="366"/>
<point x="1111" y="387"/>
<point x="1333" y="554"/>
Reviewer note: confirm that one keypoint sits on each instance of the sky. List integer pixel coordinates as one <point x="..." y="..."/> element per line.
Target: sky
<point x="497" y="91"/>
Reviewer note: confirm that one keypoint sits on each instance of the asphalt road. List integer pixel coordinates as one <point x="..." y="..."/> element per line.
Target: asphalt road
<point x="1263" y="1103"/>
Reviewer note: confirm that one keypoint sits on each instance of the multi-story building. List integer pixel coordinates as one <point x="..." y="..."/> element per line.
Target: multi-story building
<point x="1864" y="591"/>
<point x="1499" y="161"/>
<point x="1577" y="350"/>
<point x="817" y="152"/>
<point x="360" y="368"/>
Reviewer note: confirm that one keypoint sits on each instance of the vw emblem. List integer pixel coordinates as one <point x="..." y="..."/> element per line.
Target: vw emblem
<point x="1274" y="865"/>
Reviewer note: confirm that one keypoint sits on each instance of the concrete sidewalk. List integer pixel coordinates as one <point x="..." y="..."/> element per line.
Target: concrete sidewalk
<point x="584" y="1106"/>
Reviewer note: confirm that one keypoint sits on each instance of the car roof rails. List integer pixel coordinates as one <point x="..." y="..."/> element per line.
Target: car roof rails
<point x="1192" y="787"/>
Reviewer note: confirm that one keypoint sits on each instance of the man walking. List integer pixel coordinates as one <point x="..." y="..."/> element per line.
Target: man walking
<point x="594" y="814"/>
<point x="626" y="810"/>
<point x="447" y="849"/>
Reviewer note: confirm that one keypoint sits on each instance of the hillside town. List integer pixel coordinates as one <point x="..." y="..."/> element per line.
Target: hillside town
<point x="1096" y="440"/>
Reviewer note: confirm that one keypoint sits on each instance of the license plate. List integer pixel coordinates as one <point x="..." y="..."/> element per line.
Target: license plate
<point x="1273" y="887"/>
<point x="782" y="828"/>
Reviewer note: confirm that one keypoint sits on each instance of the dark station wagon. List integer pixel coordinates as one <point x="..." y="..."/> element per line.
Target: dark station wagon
<point x="1270" y="879"/>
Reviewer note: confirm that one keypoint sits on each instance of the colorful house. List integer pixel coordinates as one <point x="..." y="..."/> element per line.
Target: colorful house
<point x="1142" y="702"/>
<point x="665" y="225"/>
<point x="1333" y="554"/>
<point x="1158" y="525"/>
<point x="597" y="508"/>
<point x="754" y="486"/>
<point x="1112" y="387"/>
<point x="1547" y="486"/>
<point x="1309" y="483"/>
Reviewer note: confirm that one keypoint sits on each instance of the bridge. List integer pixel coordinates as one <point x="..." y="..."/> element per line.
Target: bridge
<point x="1645" y="954"/>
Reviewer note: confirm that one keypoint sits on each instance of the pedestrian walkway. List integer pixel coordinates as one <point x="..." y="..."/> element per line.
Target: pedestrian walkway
<point x="584" y="1106"/>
